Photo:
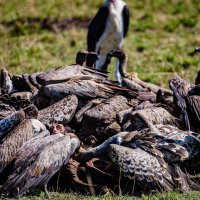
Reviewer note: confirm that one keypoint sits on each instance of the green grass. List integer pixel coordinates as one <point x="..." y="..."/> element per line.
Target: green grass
<point x="160" y="196"/>
<point x="162" y="36"/>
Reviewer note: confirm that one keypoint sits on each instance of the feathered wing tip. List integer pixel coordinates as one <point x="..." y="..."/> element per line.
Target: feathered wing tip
<point x="189" y="105"/>
<point x="181" y="103"/>
<point x="183" y="182"/>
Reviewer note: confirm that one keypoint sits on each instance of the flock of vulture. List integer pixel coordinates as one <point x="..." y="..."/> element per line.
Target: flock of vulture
<point x="75" y="130"/>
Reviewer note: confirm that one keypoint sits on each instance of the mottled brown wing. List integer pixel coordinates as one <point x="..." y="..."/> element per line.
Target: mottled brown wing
<point x="65" y="73"/>
<point x="60" y="112"/>
<point x="147" y="118"/>
<point x="91" y="104"/>
<point x="176" y="145"/>
<point x="146" y="169"/>
<point x="106" y="111"/>
<point x="13" y="141"/>
<point x="5" y="110"/>
<point x="36" y="162"/>
<point x="80" y="88"/>
<point x="189" y="105"/>
<point x="193" y="108"/>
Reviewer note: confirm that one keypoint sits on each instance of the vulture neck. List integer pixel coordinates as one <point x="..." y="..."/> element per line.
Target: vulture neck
<point x="122" y="65"/>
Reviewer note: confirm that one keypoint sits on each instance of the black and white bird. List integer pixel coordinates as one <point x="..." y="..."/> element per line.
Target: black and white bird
<point x="107" y="30"/>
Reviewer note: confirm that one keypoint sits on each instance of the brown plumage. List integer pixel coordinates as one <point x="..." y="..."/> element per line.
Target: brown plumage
<point x="17" y="101"/>
<point x="88" y="106"/>
<point x="86" y="155"/>
<point x="189" y="105"/>
<point x="13" y="141"/>
<point x="100" y="120"/>
<point x="37" y="161"/>
<point x="86" y="88"/>
<point x="63" y="74"/>
<point x="22" y="95"/>
<point x="6" y="85"/>
<point x="60" y="112"/>
<point x="175" y="145"/>
<point x="22" y="83"/>
<point x="6" y="110"/>
<point x="147" y="118"/>
<point x="131" y="80"/>
<point x="149" y="170"/>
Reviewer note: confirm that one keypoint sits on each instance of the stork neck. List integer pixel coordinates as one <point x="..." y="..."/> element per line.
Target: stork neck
<point x="113" y="10"/>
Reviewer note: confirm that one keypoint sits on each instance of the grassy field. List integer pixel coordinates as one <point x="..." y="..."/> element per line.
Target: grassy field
<point x="160" y="42"/>
<point x="162" y="36"/>
<point x="164" y="196"/>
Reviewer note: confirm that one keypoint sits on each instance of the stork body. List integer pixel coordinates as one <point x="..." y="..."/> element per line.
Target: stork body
<point x="107" y="30"/>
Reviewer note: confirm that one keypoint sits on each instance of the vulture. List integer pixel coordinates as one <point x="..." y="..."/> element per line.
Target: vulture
<point x="189" y="104"/>
<point x="107" y="30"/>
<point x="131" y="80"/>
<point x="37" y="161"/>
<point x="149" y="170"/>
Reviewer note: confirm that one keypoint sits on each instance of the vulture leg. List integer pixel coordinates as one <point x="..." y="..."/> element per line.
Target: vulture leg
<point x="46" y="191"/>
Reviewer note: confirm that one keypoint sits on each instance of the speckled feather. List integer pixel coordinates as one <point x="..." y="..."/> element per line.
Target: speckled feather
<point x="60" y="112"/>
<point x="147" y="169"/>
<point x="100" y="120"/>
<point x="176" y="145"/>
<point x="106" y="111"/>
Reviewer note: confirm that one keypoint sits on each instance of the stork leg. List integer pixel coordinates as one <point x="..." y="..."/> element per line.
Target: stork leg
<point x="46" y="191"/>
<point x="117" y="72"/>
<point x="101" y="62"/>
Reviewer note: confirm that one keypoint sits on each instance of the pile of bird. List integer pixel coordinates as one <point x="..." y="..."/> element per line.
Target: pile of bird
<point x="75" y="130"/>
